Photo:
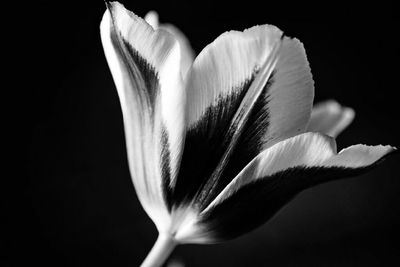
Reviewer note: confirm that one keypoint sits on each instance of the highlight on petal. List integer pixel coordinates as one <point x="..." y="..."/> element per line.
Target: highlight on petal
<point x="227" y="67"/>
<point x="245" y="92"/>
<point x="217" y="84"/>
<point x="330" y="118"/>
<point x="145" y="67"/>
<point x="187" y="53"/>
<point x="278" y="174"/>
<point x="152" y="19"/>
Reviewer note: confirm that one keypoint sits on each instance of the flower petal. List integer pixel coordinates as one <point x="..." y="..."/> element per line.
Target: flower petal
<point x="245" y="92"/>
<point x="330" y="118"/>
<point x="275" y="176"/>
<point x="152" y="19"/>
<point x="187" y="53"/>
<point x="145" y="67"/>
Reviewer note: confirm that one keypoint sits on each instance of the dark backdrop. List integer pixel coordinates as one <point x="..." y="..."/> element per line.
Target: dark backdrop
<point x="75" y="204"/>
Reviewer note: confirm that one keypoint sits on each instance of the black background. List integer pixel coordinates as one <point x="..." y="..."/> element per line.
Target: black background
<point x="74" y="203"/>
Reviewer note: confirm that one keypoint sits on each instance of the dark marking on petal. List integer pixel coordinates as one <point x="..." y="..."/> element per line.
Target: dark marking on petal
<point x="248" y="146"/>
<point x="147" y="71"/>
<point x="255" y="203"/>
<point x="165" y="167"/>
<point x="143" y="76"/>
<point x="205" y="145"/>
<point x="144" y="93"/>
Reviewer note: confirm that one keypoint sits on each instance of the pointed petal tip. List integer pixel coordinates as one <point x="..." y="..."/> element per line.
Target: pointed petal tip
<point x="365" y="156"/>
<point x="380" y="147"/>
<point x="121" y="15"/>
<point x="108" y="4"/>
<point x="388" y="149"/>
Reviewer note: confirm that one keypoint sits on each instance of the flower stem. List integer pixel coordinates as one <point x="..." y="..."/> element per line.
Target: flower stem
<point x="163" y="247"/>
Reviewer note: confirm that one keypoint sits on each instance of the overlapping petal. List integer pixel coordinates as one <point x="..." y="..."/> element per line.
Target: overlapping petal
<point x="330" y="117"/>
<point x="280" y="172"/>
<point x="245" y="92"/>
<point x="145" y="64"/>
<point x="187" y="53"/>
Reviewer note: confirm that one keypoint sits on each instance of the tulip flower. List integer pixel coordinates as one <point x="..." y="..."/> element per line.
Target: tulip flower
<point x="218" y="144"/>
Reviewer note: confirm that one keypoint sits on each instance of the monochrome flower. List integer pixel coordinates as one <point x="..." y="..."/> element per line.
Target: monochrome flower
<point x="218" y="144"/>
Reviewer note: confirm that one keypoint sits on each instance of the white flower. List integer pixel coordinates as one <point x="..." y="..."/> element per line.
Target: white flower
<point x="218" y="144"/>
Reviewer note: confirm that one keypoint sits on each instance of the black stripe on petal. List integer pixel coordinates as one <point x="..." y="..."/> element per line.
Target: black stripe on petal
<point x="255" y="203"/>
<point x="165" y="167"/>
<point x="143" y="76"/>
<point x="205" y="145"/>
<point x="147" y="71"/>
<point x="143" y="92"/>
<point x="248" y="146"/>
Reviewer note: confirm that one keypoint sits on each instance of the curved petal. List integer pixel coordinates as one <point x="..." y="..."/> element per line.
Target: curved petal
<point x="245" y="92"/>
<point x="187" y="53"/>
<point x="275" y="176"/>
<point x="330" y="118"/>
<point x="152" y="19"/>
<point x="145" y="67"/>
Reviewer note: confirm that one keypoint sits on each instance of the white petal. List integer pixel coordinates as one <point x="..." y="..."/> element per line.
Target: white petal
<point x="246" y="91"/>
<point x="291" y="96"/>
<point x="145" y="67"/>
<point x="187" y="53"/>
<point x="222" y="69"/>
<point x="330" y="118"/>
<point x="224" y="83"/>
<point x="305" y="152"/>
<point x="152" y="19"/>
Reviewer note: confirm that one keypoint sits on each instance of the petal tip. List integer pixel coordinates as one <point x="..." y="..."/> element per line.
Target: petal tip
<point x="152" y="19"/>
<point x="348" y="113"/>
